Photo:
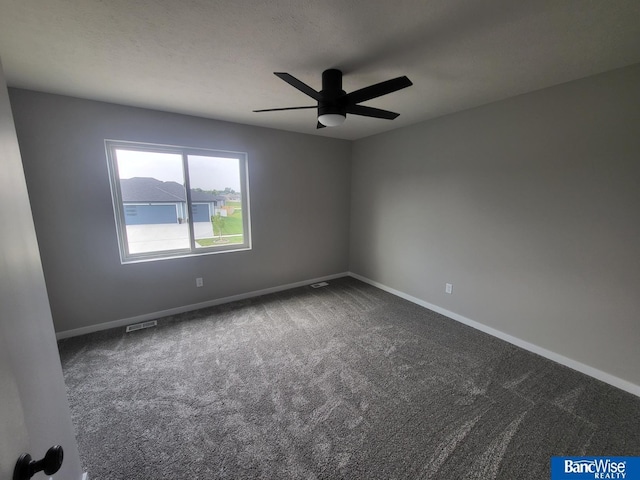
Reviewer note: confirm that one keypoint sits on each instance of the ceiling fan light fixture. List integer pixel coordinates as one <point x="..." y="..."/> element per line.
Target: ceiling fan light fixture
<point x="332" y="119"/>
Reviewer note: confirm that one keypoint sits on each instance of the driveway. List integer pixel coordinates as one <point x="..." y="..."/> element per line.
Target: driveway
<point x="165" y="236"/>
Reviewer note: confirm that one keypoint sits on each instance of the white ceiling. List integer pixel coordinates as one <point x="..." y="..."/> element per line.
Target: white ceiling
<point x="216" y="58"/>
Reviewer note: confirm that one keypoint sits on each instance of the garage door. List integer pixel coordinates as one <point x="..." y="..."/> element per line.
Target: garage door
<point x="150" y="214"/>
<point x="201" y="212"/>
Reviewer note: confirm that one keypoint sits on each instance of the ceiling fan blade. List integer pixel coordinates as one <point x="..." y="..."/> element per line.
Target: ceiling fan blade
<point x="294" y="82"/>
<point x="378" y="90"/>
<point x="371" y="112"/>
<point x="285" y="108"/>
<point x="319" y="125"/>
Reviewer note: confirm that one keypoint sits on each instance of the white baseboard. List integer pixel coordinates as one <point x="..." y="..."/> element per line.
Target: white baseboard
<point x="187" y="308"/>
<point x="556" y="357"/>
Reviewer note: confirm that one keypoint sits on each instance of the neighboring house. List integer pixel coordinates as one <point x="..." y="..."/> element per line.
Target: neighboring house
<point x="151" y="201"/>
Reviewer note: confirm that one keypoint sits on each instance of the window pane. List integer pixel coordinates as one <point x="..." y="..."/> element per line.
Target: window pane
<point x="157" y="217"/>
<point x="216" y="198"/>
<point x="153" y="201"/>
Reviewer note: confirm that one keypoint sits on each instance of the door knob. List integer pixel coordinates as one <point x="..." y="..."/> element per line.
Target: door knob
<point x="50" y="464"/>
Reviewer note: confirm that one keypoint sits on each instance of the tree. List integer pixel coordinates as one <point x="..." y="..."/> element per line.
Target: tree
<point x="217" y="221"/>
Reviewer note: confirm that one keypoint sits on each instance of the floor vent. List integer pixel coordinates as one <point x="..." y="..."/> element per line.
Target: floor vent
<point x="318" y="285"/>
<point x="140" y="326"/>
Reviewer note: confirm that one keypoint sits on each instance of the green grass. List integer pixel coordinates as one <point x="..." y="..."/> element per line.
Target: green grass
<point x="234" y="204"/>
<point x="213" y="242"/>
<point x="232" y="224"/>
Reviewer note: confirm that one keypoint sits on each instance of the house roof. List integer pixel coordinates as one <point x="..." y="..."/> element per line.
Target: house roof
<point x="147" y="189"/>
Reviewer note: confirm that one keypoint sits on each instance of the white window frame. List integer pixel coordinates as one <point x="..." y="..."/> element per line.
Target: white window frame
<point x="118" y="206"/>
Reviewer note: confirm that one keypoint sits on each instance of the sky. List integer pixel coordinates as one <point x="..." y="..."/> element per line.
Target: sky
<point x="207" y="173"/>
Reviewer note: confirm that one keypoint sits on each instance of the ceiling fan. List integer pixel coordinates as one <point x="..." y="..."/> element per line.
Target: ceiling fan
<point x="334" y="103"/>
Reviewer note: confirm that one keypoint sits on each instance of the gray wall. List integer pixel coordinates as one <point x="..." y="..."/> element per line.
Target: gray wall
<point x="34" y="411"/>
<point x="529" y="206"/>
<point x="299" y="188"/>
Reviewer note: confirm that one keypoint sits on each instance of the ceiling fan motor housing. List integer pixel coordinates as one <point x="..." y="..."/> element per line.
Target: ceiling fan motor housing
<point x="333" y="97"/>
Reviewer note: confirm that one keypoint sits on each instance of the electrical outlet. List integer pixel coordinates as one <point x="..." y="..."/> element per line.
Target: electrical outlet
<point x="448" y="288"/>
<point x="199" y="282"/>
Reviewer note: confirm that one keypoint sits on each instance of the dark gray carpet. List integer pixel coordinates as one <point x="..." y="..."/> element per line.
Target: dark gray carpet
<point x="346" y="381"/>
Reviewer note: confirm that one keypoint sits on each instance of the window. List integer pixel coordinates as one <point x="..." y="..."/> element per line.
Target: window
<point x="175" y="201"/>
